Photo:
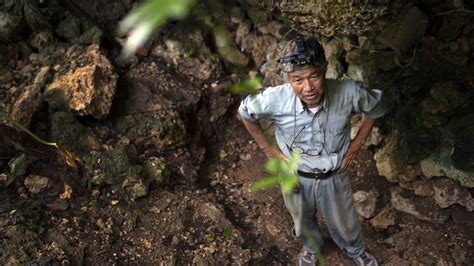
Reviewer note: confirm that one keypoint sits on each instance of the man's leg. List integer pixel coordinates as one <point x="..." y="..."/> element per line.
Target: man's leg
<point x="302" y="207"/>
<point x="335" y="201"/>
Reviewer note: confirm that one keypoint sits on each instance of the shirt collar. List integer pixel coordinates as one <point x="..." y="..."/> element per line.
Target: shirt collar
<point x="300" y="107"/>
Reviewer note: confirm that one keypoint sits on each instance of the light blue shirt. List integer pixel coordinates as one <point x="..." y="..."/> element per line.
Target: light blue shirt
<point x="327" y="130"/>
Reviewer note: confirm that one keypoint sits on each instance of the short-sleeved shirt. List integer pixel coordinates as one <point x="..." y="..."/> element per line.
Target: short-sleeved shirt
<point x="324" y="130"/>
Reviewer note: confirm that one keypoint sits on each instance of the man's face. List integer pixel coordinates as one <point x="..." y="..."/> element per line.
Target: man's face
<point x="308" y="85"/>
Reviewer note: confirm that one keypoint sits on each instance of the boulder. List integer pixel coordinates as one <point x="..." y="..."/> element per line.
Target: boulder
<point x="261" y="46"/>
<point x="422" y="208"/>
<point x="86" y="90"/>
<point x="444" y="98"/>
<point x="365" y="203"/>
<point x="447" y="193"/>
<point x="384" y="219"/>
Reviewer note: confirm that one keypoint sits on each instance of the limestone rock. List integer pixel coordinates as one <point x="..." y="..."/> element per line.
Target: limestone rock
<point x="441" y="165"/>
<point x="262" y="44"/>
<point x="88" y="89"/>
<point x="384" y="219"/>
<point x="335" y="69"/>
<point x="42" y="39"/>
<point x="422" y="208"/>
<point x="186" y="50"/>
<point x="423" y="188"/>
<point x="447" y="193"/>
<point x="386" y="161"/>
<point x="365" y="203"/>
<point x="35" y="183"/>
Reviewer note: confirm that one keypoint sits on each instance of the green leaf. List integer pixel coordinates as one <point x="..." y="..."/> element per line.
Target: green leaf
<point x="210" y="238"/>
<point x="246" y="87"/>
<point x="147" y="18"/>
<point x="227" y="233"/>
<point x="264" y="183"/>
<point x="16" y="164"/>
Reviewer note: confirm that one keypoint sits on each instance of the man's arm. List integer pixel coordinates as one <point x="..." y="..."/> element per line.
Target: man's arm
<point x="257" y="133"/>
<point x="360" y="138"/>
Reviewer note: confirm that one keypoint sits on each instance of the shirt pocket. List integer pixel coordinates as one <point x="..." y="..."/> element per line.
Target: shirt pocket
<point x="337" y="132"/>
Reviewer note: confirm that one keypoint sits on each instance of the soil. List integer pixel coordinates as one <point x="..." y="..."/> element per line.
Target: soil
<point x="218" y="220"/>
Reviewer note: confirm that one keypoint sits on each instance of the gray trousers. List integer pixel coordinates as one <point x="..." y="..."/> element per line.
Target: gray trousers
<point x="332" y="197"/>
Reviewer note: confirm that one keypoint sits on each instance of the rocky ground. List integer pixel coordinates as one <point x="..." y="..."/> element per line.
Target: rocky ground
<point x="165" y="167"/>
<point x="217" y="220"/>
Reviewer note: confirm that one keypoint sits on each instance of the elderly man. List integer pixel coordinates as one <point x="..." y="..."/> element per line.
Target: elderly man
<point x="312" y="117"/>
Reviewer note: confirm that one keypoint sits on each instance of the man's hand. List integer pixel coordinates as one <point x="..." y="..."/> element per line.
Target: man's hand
<point x="364" y="131"/>
<point x="346" y="161"/>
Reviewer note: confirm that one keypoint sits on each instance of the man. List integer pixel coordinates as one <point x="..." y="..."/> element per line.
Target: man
<point x="312" y="117"/>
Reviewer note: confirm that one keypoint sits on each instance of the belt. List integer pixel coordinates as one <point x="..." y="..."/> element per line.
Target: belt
<point x="316" y="175"/>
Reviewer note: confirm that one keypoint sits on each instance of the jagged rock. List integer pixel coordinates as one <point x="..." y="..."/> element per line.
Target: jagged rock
<point x="136" y="186"/>
<point x="69" y="133"/>
<point x="237" y="15"/>
<point x="375" y="138"/>
<point x="333" y="49"/>
<point x="328" y="19"/>
<point x="423" y="188"/>
<point x="154" y="170"/>
<point x="242" y="32"/>
<point x="384" y="219"/>
<point x="335" y="69"/>
<point x="422" y="208"/>
<point x="259" y="51"/>
<point x="436" y="165"/>
<point x="42" y="39"/>
<point x="35" y="183"/>
<point x="386" y="161"/>
<point x="90" y="36"/>
<point x="447" y="193"/>
<point x="186" y="50"/>
<point x="10" y="27"/>
<point x="29" y="100"/>
<point x="87" y="90"/>
<point x="110" y="167"/>
<point x="69" y="28"/>
<point x="365" y="203"/>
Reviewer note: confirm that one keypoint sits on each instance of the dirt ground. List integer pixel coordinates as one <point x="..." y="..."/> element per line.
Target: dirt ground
<point x="216" y="221"/>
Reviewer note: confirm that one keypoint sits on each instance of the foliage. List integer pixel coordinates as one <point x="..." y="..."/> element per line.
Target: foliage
<point x="146" y="18"/>
<point x="281" y="171"/>
<point x="246" y="86"/>
<point x="227" y="233"/>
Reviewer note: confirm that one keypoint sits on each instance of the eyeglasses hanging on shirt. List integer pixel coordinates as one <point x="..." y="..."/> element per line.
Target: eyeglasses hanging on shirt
<point x="316" y="151"/>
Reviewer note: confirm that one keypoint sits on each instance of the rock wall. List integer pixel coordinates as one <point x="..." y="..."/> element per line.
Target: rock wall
<point x="420" y="55"/>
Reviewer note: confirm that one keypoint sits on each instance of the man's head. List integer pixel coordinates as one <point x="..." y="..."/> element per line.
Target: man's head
<point x="304" y="67"/>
